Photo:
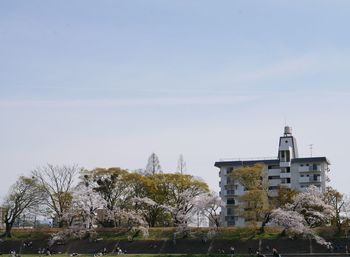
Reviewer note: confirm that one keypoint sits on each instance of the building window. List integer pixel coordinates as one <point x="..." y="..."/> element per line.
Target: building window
<point x="288" y="170"/>
<point x="230" y="192"/>
<point x="274" y="177"/>
<point x="288" y="180"/>
<point x="230" y="201"/>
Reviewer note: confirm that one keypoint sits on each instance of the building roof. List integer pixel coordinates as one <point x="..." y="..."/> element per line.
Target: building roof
<point x="270" y="162"/>
<point x="247" y="162"/>
<point x="311" y="159"/>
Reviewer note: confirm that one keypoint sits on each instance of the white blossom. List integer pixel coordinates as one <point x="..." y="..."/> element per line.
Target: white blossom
<point x="209" y="205"/>
<point x="307" y="210"/>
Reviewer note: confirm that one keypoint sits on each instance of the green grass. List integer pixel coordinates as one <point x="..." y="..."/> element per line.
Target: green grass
<point x="29" y="235"/>
<point x="237" y="233"/>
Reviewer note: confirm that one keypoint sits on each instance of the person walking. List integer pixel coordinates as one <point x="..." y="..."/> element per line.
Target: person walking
<point x="275" y="253"/>
<point x="232" y="251"/>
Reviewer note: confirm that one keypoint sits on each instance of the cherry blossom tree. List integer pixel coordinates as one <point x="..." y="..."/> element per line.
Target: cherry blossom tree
<point x="111" y="186"/>
<point x="308" y="210"/>
<point x="183" y="212"/>
<point x="149" y="209"/>
<point x="312" y="206"/>
<point x="295" y="223"/>
<point x="85" y="204"/>
<point x="210" y="205"/>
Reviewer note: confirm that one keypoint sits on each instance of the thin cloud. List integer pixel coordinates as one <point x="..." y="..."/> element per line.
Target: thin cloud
<point x="161" y="101"/>
<point x="281" y="69"/>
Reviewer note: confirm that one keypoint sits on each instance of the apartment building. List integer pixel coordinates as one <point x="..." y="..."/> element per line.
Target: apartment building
<point x="286" y="170"/>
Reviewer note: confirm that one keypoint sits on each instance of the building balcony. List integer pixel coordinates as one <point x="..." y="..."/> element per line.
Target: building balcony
<point x="284" y="164"/>
<point x="310" y="180"/>
<point x="285" y="175"/>
<point x="304" y="169"/>
<point x="317" y="180"/>
<point x="286" y="185"/>
<point x="230" y="193"/>
<point x="304" y="180"/>
<point x="310" y="168"/>
<point x="274" y="182"/>
<point x="274" y="172"/>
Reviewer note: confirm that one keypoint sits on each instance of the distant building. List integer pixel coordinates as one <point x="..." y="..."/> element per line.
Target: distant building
<point x="287" y="170"/>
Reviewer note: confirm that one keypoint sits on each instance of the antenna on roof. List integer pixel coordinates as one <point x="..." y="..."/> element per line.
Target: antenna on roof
<point x="311" y="147"/>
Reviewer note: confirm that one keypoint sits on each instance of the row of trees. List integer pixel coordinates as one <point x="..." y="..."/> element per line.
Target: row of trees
<point x="111" y="197"/>
<point x="297" y="212"/>
<point x="115" y="197"/>
<point x="153" y="165"/>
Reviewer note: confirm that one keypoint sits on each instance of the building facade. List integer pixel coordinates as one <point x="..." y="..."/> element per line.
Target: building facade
<point x="287" y="170"/>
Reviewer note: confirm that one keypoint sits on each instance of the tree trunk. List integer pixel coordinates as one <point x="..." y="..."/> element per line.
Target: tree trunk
<point x="8" y="229"/>
<point x="263" y="223"/>
<point x="284" y="232"/>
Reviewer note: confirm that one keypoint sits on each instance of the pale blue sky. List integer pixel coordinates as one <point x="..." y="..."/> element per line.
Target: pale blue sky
<point x="105" y="83"/>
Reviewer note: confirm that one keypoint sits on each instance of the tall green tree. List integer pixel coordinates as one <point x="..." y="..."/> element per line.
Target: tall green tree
<point x="24" y="196"/>
<point x="336" y="200"/>
<point x="255" y="204"/>
<point x="111" y="185"/>
<point x="179" y="189"/>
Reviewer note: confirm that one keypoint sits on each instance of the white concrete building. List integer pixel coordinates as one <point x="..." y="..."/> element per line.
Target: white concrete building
<point x="287" y="170"/>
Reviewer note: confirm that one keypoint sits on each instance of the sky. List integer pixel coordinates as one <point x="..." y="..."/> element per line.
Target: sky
<point x="106" y="83"/>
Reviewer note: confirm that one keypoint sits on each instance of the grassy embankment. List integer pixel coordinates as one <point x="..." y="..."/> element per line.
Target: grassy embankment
<point x="238" y="233"/>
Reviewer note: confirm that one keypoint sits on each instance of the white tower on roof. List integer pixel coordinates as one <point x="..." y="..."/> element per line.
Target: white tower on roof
<point x="287" y="150"/>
